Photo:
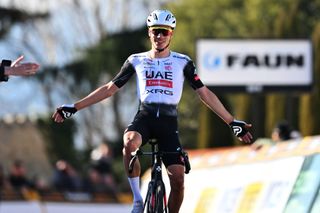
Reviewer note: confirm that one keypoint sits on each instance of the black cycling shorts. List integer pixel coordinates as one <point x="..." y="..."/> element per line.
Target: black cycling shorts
<point x="164" y="129"/>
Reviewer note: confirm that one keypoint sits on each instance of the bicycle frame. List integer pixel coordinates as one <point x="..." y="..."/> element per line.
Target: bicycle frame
<point x="156" y="199"/>
<point x="156" y="171"/>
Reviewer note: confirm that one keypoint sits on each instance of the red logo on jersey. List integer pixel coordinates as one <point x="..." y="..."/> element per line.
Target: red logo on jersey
<point x="196" y="77"/>
<point x="163" y="83"/>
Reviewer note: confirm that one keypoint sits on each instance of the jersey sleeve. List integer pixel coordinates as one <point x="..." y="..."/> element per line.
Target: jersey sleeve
<point x="190" y="74"/>
<point x="126" y="71"/>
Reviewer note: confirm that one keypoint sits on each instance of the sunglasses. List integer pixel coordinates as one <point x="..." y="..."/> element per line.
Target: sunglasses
<point x="164" y="32"/>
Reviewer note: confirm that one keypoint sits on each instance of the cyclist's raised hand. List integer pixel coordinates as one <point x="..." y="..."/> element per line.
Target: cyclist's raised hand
<point x="241" y="130"/>
<point x="64" y="112"/>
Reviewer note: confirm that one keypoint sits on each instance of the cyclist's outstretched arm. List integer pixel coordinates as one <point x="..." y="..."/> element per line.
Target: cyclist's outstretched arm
<point x="101" y="93"/>
<point x="97" y="95"/>
<point x="240" y="128"/>
<point x="213" y="102"/>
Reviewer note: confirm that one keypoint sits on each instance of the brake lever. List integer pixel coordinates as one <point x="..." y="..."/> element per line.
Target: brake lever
<point x="185" y="156"/>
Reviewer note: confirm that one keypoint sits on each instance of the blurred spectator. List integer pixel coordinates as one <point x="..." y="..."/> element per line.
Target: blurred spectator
<point x="95" y="182"/>
<point x="100" y="174"/>
<point x="20" y="183"/>
<point x="281" y="132"/>
<point x="101" y="159"/>
<point x="41" y="184"/>
<point x="65" y="177"/>
<point x="18" y="176"/>
<point x="295" y="134"/>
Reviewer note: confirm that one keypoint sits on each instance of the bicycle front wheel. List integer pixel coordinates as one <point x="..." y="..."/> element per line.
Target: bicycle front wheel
<point x="158" y="201"/>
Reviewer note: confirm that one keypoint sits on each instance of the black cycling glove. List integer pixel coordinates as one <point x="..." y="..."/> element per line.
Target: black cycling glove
<point x="66" y="110"/>
<point x="238" y="128"/>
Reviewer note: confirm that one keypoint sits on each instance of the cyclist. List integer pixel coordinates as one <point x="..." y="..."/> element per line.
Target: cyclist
<point x="160" y="74"/>
<point x="16" y="68"/>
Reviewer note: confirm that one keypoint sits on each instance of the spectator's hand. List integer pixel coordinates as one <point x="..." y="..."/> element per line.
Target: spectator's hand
<point x="22" y="69"/>
<point x="64" y="112"/>
<point x="241" y="130"/>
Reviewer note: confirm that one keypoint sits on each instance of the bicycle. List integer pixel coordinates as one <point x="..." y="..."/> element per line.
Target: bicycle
<point x="156" y="200"/>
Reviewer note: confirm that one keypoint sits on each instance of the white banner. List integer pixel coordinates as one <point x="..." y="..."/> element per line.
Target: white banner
<point x="255" y="62"/>
<point x="257" y="188"/>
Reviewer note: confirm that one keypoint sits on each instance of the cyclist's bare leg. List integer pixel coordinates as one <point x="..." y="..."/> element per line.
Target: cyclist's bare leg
<point x="176" y="177"/>
<point x="131" y="142"/>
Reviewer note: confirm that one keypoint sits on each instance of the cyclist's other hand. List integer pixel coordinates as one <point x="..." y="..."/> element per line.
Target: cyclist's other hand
<point x="241" y="130"/>
<point x="64" y="112"/>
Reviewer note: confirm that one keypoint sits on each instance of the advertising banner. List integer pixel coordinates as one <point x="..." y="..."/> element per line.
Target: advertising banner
<point x="245" y="188"/>
<point x="278" y="178"/>
<point x="255" y="64"/>
<point x="306" y="188"/>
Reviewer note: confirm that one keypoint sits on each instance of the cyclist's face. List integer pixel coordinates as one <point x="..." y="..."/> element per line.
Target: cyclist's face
<point x="160" y="36"/>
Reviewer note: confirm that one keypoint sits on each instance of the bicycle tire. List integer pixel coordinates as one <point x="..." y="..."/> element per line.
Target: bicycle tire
<point x="148" y="200"/>
<point x="151" y="200"/>
<point x="157" y="202"/>
<point x="161" y="200"/>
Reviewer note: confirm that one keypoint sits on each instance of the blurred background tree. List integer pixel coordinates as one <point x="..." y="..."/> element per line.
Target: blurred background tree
<point x="251" y="19"/>
<point x="11" y="16"/>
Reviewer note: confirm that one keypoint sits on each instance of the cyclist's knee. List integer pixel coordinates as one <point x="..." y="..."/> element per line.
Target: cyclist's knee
<point x="129" y="147"/>
<point x="131" y="142"/>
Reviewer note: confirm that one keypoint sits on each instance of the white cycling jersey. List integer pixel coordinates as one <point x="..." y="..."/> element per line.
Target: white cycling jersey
<point x="159" y="80"/>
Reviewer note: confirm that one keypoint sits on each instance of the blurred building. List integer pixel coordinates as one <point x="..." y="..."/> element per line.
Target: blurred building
<point x="20" y="139"/>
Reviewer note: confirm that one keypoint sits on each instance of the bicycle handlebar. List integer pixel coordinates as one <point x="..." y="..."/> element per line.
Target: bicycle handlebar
<point x="179" y="151"/>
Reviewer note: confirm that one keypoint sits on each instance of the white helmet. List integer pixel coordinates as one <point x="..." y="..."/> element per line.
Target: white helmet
<point x="161" y="17"/>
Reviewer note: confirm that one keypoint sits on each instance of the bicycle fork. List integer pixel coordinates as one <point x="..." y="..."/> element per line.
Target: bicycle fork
<point x="156" y="196"/>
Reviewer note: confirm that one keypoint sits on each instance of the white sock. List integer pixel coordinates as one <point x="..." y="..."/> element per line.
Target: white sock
<point x="135" y="188"/>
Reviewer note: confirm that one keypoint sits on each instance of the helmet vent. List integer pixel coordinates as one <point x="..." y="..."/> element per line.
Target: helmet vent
<point x="155" y="16"/>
